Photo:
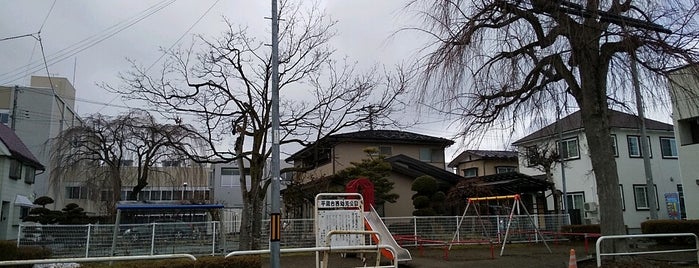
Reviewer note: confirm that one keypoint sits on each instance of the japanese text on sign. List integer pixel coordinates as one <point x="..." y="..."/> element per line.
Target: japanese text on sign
<point x="339" y="203"/>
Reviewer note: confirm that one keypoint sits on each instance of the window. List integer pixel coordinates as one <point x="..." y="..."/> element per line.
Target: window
<point x="688" y="130"/>
<point x="505" y="169"/>
<point x="166" y="195"/>
<point x="76" y="192"/>
<point x="569" y="149"/>
<point x="15" y="169"/>
<point x="4" y="118"/>
<point x="385" y="150"/>
<point x="471" y="172"/>
<point x="576" y="203"/>
<point x="532" y="156"/>
<point x="668" y="147"/>
<point x="154" y="195"/>
<point x="429" y="155"/>
<point x="29" y="175"/>
<point x="229" y="176"/>
<point x="634" y="143"/>
<point x="640" y="197"/>
<point x="615" y="149"/>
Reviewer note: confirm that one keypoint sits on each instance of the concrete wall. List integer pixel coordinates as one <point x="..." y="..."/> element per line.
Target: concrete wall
<point x="684" y="91"/>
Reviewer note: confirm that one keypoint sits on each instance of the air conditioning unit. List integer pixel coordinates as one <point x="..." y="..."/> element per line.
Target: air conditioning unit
<point x="590" y="207"/>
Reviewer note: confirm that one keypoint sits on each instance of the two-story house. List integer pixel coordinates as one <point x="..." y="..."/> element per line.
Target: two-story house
<point x="474" y="163"/>
<point x="410" y="154"/>
<point x="581" y="189"/>
<point x="684" y="89"/>
<point x="18" y="169"/>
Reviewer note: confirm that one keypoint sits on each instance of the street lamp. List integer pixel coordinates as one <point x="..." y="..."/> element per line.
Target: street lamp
<point x="184" y="185"/>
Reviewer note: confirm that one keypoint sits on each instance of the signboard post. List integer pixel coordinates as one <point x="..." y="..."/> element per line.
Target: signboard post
<point x="338" y="211"/>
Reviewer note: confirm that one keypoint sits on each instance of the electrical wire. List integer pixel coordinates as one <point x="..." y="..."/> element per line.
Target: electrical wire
<point x="84" y="44"/>
<point x="47" y="16"/>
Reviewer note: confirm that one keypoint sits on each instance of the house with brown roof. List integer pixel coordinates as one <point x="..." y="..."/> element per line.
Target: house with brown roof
<point x="581" y="188"/>
<point x="474" y="163"/>
<point x="411" y="155"/>
<point x="18" y="169"/>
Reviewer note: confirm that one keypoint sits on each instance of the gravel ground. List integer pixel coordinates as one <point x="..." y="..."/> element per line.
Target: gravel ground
<point x="515" y="255"/>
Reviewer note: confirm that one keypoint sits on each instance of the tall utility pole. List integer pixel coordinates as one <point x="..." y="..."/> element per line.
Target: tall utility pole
<point x="645" y="150"/>
<point x="275" y="216"/>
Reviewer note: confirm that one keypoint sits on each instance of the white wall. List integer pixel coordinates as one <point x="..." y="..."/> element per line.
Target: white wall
<point x="580" y="177"/>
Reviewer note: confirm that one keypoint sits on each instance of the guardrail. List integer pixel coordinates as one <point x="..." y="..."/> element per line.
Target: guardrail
<point x="599" y="253"/>
<point x="99" y="259"/>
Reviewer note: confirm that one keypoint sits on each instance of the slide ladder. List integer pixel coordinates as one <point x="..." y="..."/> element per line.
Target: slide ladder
<point x="373" y="222"/>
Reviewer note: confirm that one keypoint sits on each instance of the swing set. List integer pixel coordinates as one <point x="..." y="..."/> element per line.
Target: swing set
<point x="516" y="201"/>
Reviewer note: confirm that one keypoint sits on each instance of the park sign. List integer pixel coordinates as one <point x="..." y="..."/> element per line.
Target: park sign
<point x="339" y="211"/>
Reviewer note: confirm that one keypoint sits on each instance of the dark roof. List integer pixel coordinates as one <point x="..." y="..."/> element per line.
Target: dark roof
<point x="17" y="148"/>
<point x="376" y="136"/>
<point x="513" y="183"/>
<point x="415" y="168"/>
<point x="574" y="122"/>
<point x="483" y="154"/>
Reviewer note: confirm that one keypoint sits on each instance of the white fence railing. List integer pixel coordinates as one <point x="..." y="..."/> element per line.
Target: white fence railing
<point x="210" y="238"/>
<point x="599" y="253"/>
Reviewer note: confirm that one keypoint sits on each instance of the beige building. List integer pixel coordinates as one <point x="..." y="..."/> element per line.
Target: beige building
<point x="410" y="154"/>
<point x="475" y="163"/>
<point x="166" y="184"/>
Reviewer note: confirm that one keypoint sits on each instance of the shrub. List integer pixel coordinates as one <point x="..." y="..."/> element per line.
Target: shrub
<point x="671" y="226"/>
<point x="9" y="251"/>
<point x="202" y="262"/>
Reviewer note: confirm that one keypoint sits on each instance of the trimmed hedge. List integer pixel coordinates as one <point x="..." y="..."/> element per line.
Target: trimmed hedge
<point x="587" y="228"/>
<point x="671" y="226"/>
<point x="9" y="251"/>
<point x="202" y="262"/>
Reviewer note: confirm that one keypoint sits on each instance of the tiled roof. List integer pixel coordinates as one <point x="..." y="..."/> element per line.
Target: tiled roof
<point x="574" y="122"/>
<point x="17" y="147"/>
<point x="415" y="168"/>
<point x="377" y="136"/>
<point x="483" y="154"/>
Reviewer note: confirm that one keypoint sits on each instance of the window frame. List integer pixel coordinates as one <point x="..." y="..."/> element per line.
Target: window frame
<point x="640" y="150"/>
<point x="15" y="169"/>
<point x="530" y="151"/>
<point x="381" y="149"/>
<point x="29" y="175"/>
<point x="497" y="169"/>
<point x="566" y="141"/>
<point x="662" y="152"/>
<point x="645" y="194"/>
<point x="470" y="169"/>
<point x="615" y="145"/>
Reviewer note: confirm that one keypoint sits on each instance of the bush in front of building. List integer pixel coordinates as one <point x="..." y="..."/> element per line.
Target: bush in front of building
<point x="671" y="226"/>
<point x="9" y="252"/>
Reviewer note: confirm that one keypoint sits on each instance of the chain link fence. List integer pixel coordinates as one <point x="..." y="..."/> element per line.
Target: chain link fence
<point x="214" y="238"/>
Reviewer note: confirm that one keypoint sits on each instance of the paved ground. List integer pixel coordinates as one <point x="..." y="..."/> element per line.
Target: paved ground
<point x="515" y="255"/>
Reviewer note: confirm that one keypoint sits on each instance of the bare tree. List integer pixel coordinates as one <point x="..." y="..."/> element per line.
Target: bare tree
<point x="543" y="158"/>
<point x="500" y="61"/>
<point x="102" y="149"/>
<point x="224" y="86"/>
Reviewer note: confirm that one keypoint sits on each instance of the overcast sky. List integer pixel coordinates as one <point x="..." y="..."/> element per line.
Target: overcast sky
<point x="88" y="41"/>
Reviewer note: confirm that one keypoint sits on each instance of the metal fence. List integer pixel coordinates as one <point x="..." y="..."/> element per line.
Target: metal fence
<point x="213" y="238"/>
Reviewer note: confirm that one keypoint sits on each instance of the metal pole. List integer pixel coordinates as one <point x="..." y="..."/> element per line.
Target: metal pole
<point x="650" y="188"/>
<point x="275" y="216"/>
<point x="560" y="159"/>
<point x="87" y="243"/>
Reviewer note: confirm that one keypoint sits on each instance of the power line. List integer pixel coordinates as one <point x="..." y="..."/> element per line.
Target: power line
<point x="65" y="53"/>
<point x="47" y="16"/>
